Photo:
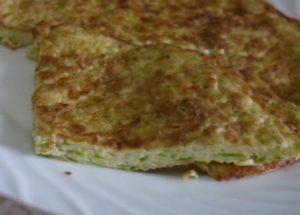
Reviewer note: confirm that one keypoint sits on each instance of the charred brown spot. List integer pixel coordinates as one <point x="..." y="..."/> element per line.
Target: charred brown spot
<point x="212" y="32"/>
<point x="48" y="60"/>
<point x="74" y="94"/>
<point x="239" y="8"/>
<point x="192" y="108"/>
<point x="48" y="114"/>
<point x="78" y="129"/>
<point x="123" y="4"/>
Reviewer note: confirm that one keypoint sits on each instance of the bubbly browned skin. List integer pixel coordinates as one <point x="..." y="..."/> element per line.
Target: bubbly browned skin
<point x="223" y="27"/>
<point x="196" y="24"/>
<point x="213" y="27"/>
<point x="248" y="42"/>
<point x="148" y="97"/>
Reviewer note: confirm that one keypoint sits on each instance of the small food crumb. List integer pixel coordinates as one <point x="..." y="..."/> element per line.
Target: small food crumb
<point x="68" y="173"/>
<point x="190" y="174"/>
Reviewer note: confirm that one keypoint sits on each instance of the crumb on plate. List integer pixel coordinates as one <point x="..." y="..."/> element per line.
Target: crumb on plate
<point x="67" y="173"/>
<point x="190" y="174"/>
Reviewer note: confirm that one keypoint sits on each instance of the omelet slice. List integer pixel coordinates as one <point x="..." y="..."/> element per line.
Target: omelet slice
<point x="102" y="101"/>
<point x="205" y="26"/>
<point x="246" y="37"/>
<point x="244" y="34"/>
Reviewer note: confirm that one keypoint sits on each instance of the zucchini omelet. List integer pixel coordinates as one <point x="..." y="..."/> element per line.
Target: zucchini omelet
<point x="141" y="85"/>
<point x="102" y="101"/>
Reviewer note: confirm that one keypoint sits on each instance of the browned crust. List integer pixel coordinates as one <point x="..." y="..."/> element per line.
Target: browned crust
<point x="268" y="7"/>
<point x="228" y="171"/>
<point x="221" y="171"/>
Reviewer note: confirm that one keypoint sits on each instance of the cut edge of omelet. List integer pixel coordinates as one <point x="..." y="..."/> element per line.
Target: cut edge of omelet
<point x="32" y="51"/>
<point x="13" y="38"/>
<point x="204" y="156"/>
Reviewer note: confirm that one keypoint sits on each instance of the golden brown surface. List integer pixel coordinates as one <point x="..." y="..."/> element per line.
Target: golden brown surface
<point x="240" y="90"/>
<point x="241" y="31"/>
<point x="97" y="91"/>
<point x="196" y="24"/>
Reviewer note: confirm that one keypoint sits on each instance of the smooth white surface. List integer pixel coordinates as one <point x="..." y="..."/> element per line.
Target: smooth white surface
<point x="93" y="190"/>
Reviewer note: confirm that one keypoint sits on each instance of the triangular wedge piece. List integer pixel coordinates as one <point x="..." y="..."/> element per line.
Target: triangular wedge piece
<point x="102" y="101"/>
<point x="248" y="37"/>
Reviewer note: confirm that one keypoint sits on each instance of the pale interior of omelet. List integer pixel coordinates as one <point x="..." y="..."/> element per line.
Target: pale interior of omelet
<point x="143" y="159"/>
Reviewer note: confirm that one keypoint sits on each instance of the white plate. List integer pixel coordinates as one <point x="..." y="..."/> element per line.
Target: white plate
<point x="41" y="182"/>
